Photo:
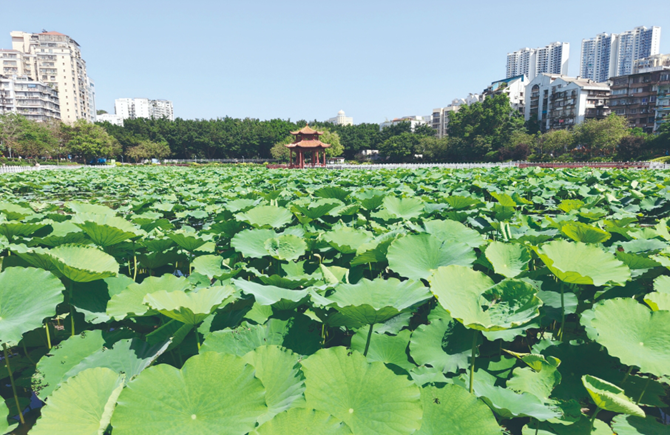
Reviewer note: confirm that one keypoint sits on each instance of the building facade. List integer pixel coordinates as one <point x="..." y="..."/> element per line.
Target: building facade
<point x="132" y="108"/>
<point x="55" y="59"/>
<point x="636" y="96"/>
<point x="662" y="100"/>
<point x="414" y="121"/>
<point x="657" y="61"/>
<point x="609" y="55"/>
<point x="555" y="101"/>
<point x="111" y="118"/>
<point x="36" y="101"/>
<point x="341" y="119"/>
<point x="552" y="59"/>
<point x="514" y="88"/>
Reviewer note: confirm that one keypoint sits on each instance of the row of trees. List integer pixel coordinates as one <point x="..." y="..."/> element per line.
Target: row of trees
<point x="485" y="131"/>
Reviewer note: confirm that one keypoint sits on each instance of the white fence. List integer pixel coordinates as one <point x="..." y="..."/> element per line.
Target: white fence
<point x="14" y="169"/>
<point x="558" y="165"/>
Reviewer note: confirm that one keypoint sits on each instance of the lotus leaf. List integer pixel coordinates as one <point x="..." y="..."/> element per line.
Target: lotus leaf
<point x="27" y="296"/>
<point x="389" y="349"/>
<point x="634" y="334"/>
<point x="578" y="263"/>
<point x="376" y="301"/>
<point x="264" y="216"/>
<point x="91" y="298"/>
<point x="83" y="263"/>
<point x="403" y="208"/>
<point x="188" y="241"/>
<point x="416" y="256"/>
<point x="14" y="212"/>
<point x="190" y="308"/>
<point x="584" y="233"/>
<point x="106" y="230"/>
<point x="251" y="243"/>
<point x="509" y="260"/>
<point x="444" y="344"/>
<point x="454" y="232"/>
<point x="631" y="425"/>
<point x="280" y="374"/>
<point x="83" y="405"/>
<point x="318" y="208"/>
<point x="347" y="240"/>
<point x="344" y="384"/>
<point x="279" y="298"/>
<point x="475" y="300"/>
<point x="452" y="410"/>
<point x="5" y="427"/>
<point x="609" y="397"/>
<point x="300" y="420"/>
<point x="658" y="301"/>
<point x="286" y="247"/>
<point x="508" y="404"/>
<point x="212" y="393"/>
<point x="130" y="302"/>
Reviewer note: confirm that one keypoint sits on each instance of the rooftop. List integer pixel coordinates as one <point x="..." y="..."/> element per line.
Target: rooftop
<point x="306" y="130"/>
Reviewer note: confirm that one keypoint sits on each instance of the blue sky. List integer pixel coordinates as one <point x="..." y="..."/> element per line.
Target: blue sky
<point x="308" y="59"/>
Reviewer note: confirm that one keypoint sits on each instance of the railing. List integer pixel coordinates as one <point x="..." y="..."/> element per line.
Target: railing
<point x="15" y="169"/>
<point x="556" y="165"/>
<point x="240" y="160"/>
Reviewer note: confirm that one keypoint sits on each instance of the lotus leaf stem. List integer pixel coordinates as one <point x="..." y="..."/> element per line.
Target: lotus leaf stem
<point x="134" y="267"/>
<point x="472" y="362"/>
<point x="367" y="343"/>
<point x="644" y="390"/>
<point x="630" y="369"/>
<point x="25" y="349"/>
<point x="48" y="335"/>
<point x="593" y="418"/>
<point x="560" y="331"/>
<point x="72" y="308"/>
<point x="11" y="380"/>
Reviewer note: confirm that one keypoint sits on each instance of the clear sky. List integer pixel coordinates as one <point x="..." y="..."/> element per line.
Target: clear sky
<point x="300" y="59"/>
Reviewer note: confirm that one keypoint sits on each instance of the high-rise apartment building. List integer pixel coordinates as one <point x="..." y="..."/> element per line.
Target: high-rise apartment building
<point x="636" y="96"/>
<point x="55" y="59"/>
<point x="132" y="108"/>
<point x="35" y="101"/>
<point x="611" y="55"/>
<point x="551" y="59"/>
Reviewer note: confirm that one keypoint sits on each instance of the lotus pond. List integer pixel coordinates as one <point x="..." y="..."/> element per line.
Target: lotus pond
<point x="246" y="301"/>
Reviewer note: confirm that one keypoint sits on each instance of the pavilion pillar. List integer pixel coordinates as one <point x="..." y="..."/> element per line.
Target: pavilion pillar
<point x="290" y="158"/>
<point x="324" y="158"/>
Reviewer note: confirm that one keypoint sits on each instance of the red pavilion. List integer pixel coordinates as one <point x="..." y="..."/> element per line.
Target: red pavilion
<point x="307" y="140"/>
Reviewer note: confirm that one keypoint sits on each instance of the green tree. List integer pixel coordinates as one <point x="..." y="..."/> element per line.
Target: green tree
<point x="435" y="149"/>
<point x="595" y="138"/>
<point x="36" y="141"/>
<point x="554" y="143"/>
<point x="11" y="129"/>
<point x="400" y="148"/>
<point x="89" y="141"/>
<point x="148" y="150"/>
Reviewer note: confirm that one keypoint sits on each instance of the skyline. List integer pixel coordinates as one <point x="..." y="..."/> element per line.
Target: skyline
<point x="297" y="60"/>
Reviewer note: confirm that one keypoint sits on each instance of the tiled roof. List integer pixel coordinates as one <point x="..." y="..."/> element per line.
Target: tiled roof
<point x="308" y="144"/>
<point x="306" y="130"/>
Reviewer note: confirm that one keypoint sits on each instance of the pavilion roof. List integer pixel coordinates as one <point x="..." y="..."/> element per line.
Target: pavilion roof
<point x="306" y="130"/>
<point x="308" y="144"/>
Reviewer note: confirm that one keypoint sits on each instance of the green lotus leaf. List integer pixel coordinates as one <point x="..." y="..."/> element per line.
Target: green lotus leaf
<point x="344" y="384"/>
<point x="86" y="208"/>
<point x="347" y="240"/>
<point x="279" y="298"/>
<point x="300" y="420"/>
<point x="11" y="230"/>
<point x="634" y="334"/>
<point x="658" y="301"/>
<point x="286" y="247"/>
<point x="280" y="374"/>
<point x="509" y="404"/>
<point x="458" y="202"/>
<point x="416" y="256"/>
<point x="609" y="397"/>
<point x="299" y="334"/>
<point x="503" y="199"/>
<point x="187" y="241"/>
<point x="508" y="259"/>
<point x="130" y="302"/>
<point x="475" y="300"/>
<point x="241" y="204"/>
<point x="567" y="205"/>
<point x="6" y="427"/>
<point x="211" y="394"/>
<point x="662" y="284"/>
<point x="14" y="212"/>
<point x="580" y="232"/>
<point x="454" y="232"/>
<point x="251" y="243"/>
<point x="51" y="368"/>
<point x="82" y="406"/>
<point x="332" y="192"/>
<point x="106" y="230"/>
<point x="129" y="357"/>
<point x="452" y="410"/>
<point x="404" y="208"/>
<point x="62" y="233"/>
<point x="376" y="301"/>
<point x="266" y="216"/>
<point x="631" y="425"/>
<point x="27" y="296"/>
<point x="190" y="308"/>
<point x="91" y="298"/>
<point x="211" y="266"/>
<point x="444" y="344"/>
<point x="578" y="263"/>
<point x="83" y="263"/>
<point x="316" y="209"/>
<point x="37" y="257"/>
<point x="389" y="349"/>
<point x="539" y="383"/>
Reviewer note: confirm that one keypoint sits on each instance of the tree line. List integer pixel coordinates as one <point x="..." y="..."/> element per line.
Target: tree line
<point x="484" y="131"/>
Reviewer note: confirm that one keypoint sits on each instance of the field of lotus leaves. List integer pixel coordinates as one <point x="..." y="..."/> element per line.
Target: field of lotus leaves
<point x="245" y="301"/>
